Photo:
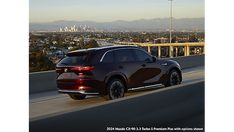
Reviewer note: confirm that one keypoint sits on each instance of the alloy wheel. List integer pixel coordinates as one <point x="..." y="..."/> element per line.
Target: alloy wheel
<point x="116" y="90"/>
<point x="174" y="78"/>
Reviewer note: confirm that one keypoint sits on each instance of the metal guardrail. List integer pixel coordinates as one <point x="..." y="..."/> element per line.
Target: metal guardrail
<point x="185" y="47"/>
<point x="163" y="44"/>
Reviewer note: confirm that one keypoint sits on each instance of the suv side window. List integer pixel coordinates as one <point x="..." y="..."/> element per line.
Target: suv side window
<point x="108" y="58"/>
<point x="124" y="55"/>
<point x="142" y="56"/>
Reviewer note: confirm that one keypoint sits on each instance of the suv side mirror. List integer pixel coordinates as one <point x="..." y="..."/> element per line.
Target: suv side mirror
<point x="150" y="60"/>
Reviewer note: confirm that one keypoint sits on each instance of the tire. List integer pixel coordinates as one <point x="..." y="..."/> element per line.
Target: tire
<point x="173" y="78"/>
<point x="77" y="96"/>
<point x="115" y="89"/>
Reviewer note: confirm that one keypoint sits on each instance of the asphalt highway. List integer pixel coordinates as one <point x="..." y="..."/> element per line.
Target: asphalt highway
<point x="51" y="103"/>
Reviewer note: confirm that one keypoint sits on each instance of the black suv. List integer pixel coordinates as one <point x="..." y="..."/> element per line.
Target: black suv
<point x="112" y="71"/>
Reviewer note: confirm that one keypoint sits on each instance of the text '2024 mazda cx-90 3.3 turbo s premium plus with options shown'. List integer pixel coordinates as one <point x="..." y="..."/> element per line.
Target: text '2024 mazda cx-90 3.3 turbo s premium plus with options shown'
<point x="112" y="71"/>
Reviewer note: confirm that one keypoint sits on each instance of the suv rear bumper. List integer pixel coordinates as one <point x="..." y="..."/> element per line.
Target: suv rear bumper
<point x="87" y="87"/>
<point x="77" y="92"/>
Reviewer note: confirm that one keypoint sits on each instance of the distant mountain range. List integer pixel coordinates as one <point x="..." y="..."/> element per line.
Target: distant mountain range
<point x="150" y="25"/>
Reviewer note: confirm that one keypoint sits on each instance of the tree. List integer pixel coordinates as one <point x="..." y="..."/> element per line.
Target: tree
<point x="91" y="44"/>
<point x="193" y="38"/>
<point x="173" y="40"/>
<point x="39" y="62"/>
<point x="81" y="43"/>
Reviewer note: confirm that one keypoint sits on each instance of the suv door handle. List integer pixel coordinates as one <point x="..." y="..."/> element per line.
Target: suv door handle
<point x="143" y="65"/>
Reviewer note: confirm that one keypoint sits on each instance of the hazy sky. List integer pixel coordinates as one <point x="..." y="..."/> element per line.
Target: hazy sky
<point x="110" y="10"/>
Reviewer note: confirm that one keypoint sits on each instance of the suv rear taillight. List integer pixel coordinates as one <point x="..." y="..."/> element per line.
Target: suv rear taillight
<point x="82" y="68"/>
<point x="79" y="70"/>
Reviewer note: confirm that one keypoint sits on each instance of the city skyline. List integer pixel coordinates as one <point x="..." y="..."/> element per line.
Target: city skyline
<point x="111" y="10"/>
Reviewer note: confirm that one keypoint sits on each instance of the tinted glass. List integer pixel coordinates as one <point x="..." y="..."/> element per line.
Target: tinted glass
<point x="124" y="55"/>
<point x="142" y="56"/>
<point x="72" y="60"/>
<point x="108" y="58"/>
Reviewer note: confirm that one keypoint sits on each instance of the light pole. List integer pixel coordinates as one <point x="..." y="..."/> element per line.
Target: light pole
<point x="170" y="47"/>
<point x="170" y="19"/>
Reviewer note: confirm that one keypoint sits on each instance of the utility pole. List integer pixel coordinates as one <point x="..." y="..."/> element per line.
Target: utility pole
<point x="170" y="19"/>
<point x="170" y="47"/>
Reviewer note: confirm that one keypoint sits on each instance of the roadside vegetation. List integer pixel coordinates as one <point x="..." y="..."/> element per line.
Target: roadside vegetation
<point x="40" y="60"/>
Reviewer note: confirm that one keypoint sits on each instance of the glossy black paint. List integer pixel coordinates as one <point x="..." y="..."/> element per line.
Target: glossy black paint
<point x="96" y="71"/>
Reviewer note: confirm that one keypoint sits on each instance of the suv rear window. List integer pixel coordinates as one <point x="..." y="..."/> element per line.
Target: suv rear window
<point x="73" y="60"/>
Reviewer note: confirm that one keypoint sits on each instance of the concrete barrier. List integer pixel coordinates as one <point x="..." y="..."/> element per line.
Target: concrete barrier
<point x="45" y="81"/>
<point x="177" y="106"/>
<point x="190" y="61"/>
<point x="42" y="82"/>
